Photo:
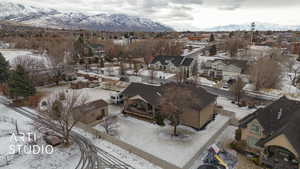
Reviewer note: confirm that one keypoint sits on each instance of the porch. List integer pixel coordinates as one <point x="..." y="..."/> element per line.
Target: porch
<point x="279" y="158"/>
<point x="140" y="109"/>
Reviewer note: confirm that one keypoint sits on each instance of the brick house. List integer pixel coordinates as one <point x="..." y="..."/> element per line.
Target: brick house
<point x="274" y="131"/>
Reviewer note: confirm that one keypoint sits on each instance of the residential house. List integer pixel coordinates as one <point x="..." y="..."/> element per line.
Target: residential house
<point x="259" y="51"/>
<point x="224" y="69"/>
<point x="173" y="64"/>
<point x="92" y="112"/>
<point x="274" y="131"/>
<point x="143" y="101"/>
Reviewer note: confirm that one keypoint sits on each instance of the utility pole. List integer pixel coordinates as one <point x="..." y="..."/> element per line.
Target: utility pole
<point x="253" y="25"/>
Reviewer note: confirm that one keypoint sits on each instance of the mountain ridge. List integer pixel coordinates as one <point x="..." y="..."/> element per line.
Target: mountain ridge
<point x="45" y="17"/>
<point x="259" y="26"/>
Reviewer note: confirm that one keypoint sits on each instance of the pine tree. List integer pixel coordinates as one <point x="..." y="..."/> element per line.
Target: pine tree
<point x="211" y="38"/>
<point x="19" y="84"/>
<point x="4" y="69"/>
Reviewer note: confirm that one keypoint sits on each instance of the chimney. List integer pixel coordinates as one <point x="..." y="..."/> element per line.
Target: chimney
<point x="279" y="114"/>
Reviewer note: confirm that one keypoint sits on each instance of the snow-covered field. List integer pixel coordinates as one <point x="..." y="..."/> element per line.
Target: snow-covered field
<point x="10" y="54"/>
<point x="91" y="93"/>
<point x="153" y="139"/>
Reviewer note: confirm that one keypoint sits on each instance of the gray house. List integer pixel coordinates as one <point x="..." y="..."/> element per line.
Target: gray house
<point x="173" y="64"/>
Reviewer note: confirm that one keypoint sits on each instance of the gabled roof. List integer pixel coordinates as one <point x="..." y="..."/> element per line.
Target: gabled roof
<point x="243" y="64"/>
<point x="148" y="92"/>
<point x="187" y="62"/>
<point x="152" y="94"/>
<point x="280" y="117"/>
<point x="91" y="106"/>
<point x="176" y="60"/>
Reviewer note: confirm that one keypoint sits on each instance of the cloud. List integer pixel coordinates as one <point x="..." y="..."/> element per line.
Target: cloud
<point x="249" y="4"/>
<point x="183" y="13"/>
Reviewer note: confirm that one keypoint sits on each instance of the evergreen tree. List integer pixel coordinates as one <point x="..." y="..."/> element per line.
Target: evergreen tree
<point x="19" y="84"/>
<point x="213" y="50"/>
<point x="4" y="69"/>
<point x="211" y="38"/>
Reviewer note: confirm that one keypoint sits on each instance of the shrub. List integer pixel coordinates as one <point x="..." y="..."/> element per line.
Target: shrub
<point x="33" y="101"/>
<point x="238" y="134"/>
<point x="159" y="119"/>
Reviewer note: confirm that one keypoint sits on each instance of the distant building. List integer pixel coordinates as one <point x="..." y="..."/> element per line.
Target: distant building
<point x="173" y="64"/>
<point x="224" y="69"/>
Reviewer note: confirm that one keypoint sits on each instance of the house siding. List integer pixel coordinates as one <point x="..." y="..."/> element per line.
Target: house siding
<point x="247" y="134"/>
<point x="282" y="141"/>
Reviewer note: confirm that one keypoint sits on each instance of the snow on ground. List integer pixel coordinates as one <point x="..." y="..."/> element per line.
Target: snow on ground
<point x="187" y="52"/>
<point x="10" y="54"/>
<point x="157" y="74"/>
<point x="61" y="158"/>
<point x="286" y="88"/>
<point x="240" y="112"/>
<point x="91" y="93"/>
<point x="123" y="155"/>
<point x="148" y="137"/>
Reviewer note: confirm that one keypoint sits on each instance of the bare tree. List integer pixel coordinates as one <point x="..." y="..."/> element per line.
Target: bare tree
<point x="152" y="74"/>
<point x="180" y="78"/>
<point x="29" y="63"/>
<point x="232" y="46"/>
<point x="174" y="100"/>
<point x="293" y="70"/>
<point x="265" y="73"/>
<point x="34" y="66"/>
<point x="237" y="89"/>
<point x="109" y="123"/>
<point x="110" y="70"/>
<point x="61" y="108"/>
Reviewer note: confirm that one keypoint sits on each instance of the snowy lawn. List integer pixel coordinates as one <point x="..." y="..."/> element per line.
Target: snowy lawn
<point x="123" y="155"/>
<point x="240" y="112"/>
<point x="155" y="140"/>
<point x="92" y="93"/>
<point x="61" y="158"/>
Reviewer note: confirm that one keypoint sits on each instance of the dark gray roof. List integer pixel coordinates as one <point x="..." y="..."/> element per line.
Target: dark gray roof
<point x="152" y="94"/>
<point x="176" y="60"/>
<point x="205" y="98"/>
<point x="187" y="62"/>
<point x="148" y="92"/>
<point x="91" y="106"/>
<point x="280" y="117"/>
<point x="243" y="64"/>
<point x="95" y="46"/>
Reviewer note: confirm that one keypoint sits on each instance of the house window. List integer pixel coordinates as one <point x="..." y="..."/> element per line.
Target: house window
<point x="255" y="129"/>
<point x="251" y="141"/>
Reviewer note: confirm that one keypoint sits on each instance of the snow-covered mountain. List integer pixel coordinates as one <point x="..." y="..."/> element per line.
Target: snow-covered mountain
<point x="43" y="17"/>
<point x="259" y="26"/>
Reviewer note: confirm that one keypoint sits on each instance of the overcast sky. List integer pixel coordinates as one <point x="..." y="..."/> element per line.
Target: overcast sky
<point x="187" y="13"/>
